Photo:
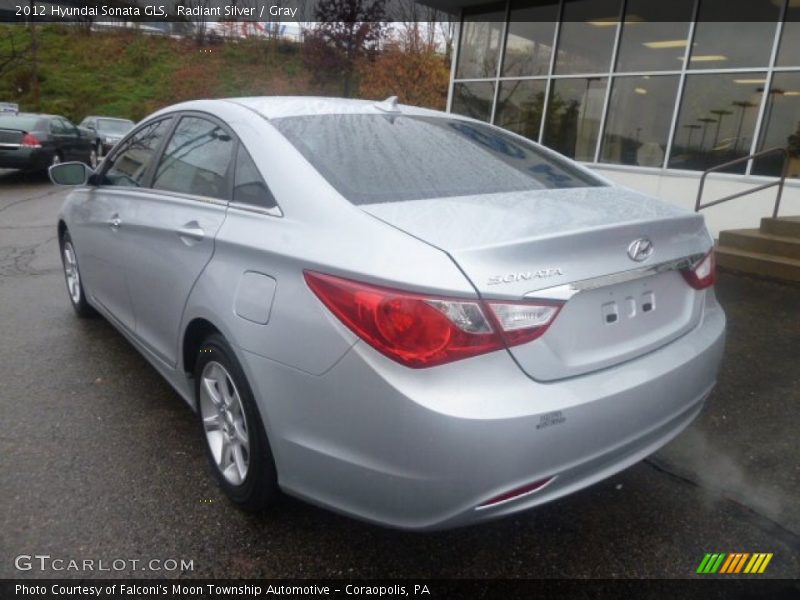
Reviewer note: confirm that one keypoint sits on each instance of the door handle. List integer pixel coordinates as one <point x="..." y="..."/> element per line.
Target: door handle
<point x="191" y="231"/>
<point x="114" y="222"/>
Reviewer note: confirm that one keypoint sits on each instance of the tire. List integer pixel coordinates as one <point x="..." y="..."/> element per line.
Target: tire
<point x="72" y="277"/>
<point x="228" y="415"/>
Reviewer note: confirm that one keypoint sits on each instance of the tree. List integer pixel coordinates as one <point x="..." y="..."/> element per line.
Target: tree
<point x="347" y="31"/>
<point x="419" y="78"/>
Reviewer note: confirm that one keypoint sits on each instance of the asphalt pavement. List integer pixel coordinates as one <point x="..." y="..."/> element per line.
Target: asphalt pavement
<point x="100" y="459"/>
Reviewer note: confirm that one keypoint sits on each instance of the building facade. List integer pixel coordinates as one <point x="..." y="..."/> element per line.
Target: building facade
<point x="647" y="93"/>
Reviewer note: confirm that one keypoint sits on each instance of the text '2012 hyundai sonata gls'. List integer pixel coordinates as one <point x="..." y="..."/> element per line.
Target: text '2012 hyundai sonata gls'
<point x="410" y="317"/>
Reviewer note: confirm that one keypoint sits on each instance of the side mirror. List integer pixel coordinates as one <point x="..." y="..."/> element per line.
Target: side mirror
<point x="70" y="173"/>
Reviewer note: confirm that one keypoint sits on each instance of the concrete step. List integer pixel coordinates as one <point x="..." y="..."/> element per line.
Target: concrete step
<point x="755" y="240"/>
<point x="788" y="226"/>
<point x="759" y="264"/>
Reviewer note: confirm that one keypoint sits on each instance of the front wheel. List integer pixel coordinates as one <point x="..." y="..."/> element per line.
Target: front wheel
<point x="94" y="156"/>
<point x="235" y="440"/>
<point x="72" y="276"/>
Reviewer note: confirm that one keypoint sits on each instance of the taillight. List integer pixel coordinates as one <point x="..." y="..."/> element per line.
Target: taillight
<point x="703" y="273"/>
<point x="420" y="331"/>
<point x="30" y="141"/>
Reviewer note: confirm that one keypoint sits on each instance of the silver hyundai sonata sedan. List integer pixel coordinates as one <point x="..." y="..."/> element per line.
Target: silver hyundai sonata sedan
<point x="406" y="316"/>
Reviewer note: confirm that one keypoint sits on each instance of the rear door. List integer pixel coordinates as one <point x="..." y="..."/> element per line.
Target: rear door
<point x="170" y="230"/>
<point x="66" y="135"/>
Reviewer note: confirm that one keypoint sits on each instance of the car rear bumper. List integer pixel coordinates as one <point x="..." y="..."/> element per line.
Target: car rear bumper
<point x="29" y="159"/>
<point x="423" y="449"/>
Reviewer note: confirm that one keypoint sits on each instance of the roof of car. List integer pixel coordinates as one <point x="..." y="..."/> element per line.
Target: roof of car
<point x="275" y="107"/>
<point x="108" y="118"/>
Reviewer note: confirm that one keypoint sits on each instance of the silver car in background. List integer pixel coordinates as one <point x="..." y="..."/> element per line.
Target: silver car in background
<point x="406" y="316"/>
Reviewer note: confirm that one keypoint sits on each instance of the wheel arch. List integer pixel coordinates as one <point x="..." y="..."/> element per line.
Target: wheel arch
<point x="196" y="331"/>
<point x="62" y="229"/>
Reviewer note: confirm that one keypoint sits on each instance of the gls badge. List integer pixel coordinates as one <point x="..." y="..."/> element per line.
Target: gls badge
<point x="525" y="276"/>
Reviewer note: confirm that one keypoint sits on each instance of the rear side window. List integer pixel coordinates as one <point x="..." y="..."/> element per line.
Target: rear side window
<point x="389" y="158"/>
<point x="57" y="126"/>
<point x="197" y="160"/>
<point x="130" y="164"/>
<point x="249" y="187"/>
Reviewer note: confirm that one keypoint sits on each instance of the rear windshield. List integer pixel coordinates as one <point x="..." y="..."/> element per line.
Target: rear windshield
<point x="23" y="123"/>
<point x="388" y="158"/>
<point x="114" y="125"/>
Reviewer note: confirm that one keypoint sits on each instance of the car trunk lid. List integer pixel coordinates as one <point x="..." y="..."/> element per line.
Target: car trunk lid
<point x="551" y="242"/>
<point x="10" y="138"/>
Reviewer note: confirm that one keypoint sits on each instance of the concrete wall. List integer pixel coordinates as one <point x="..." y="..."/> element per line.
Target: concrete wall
<point x="680" y="187"/>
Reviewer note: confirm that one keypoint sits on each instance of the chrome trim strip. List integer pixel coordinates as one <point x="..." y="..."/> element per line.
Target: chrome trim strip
<point x="272" y="212"/>
<point x="566" y="291"/>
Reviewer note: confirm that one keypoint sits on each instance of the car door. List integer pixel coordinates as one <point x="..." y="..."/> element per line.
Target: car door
<point x="61" y="141"/>
<point x="100" y="220"/>
<point x="80" y="142"/>
<point x="171" y="229"/>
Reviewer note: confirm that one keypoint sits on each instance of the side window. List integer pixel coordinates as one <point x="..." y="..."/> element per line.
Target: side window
<point x="130" y="164"/>
<point x="249" y="187"/>
<point x="57" y="127"/>
<point x="196" y="160"/>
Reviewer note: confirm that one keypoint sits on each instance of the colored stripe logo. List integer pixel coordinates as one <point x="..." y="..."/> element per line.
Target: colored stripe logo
<point x="734" y="563"/>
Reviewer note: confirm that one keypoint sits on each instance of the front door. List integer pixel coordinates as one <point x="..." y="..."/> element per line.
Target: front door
<point x="104" y="217"/>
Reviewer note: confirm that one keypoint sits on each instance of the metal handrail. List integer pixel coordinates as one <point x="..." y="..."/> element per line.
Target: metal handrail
<point x="781" y="180"/>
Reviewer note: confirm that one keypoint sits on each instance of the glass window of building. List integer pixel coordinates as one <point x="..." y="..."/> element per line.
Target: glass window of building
<point x="789" y="50"/>
<point x="480" y="42"/>
<point x="781" y="125"/>
<point x="654" y="34"/>
<point x="520" y="105"/>
<point x="720" y="44"/>
<point x="529" y="43"/>
<point x="473" y="99"/>
<point x="586" y="38"/>
<point x="638" y="121"/>
<point x="719" y="111"/>
<point x="573" y="116"/>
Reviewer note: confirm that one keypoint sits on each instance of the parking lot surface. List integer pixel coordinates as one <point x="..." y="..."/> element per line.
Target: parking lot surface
<point x="102" y="460"/>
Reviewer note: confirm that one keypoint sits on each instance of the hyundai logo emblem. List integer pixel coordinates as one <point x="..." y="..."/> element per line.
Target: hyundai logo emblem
<point x="640" y="250"/>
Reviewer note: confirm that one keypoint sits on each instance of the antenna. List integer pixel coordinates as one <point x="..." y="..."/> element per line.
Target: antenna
<point x="388" y="105"/>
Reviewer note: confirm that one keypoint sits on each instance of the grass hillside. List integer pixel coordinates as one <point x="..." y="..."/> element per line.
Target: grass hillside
<point x="129" y="74"/>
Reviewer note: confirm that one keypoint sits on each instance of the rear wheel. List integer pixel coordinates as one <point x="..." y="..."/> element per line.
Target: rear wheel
<point x="94" y="156"/>
<point x="72" y="276"/>
<point x="235" y="440"/>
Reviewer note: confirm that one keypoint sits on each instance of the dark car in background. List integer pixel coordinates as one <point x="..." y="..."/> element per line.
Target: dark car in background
<point x="108" y="131"/>
<point x="33" y="142"/>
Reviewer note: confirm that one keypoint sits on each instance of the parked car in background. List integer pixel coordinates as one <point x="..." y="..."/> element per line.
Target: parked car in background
<point x="33" y="142"/>
<point x="408" y="316"/>
<point x="9" y="107"/>
<point x="108" y="131"/>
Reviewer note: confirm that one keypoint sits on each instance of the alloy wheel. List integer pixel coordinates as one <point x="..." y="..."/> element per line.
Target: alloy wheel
<point x="224" y="423"/>
<point x="71" y="273"/>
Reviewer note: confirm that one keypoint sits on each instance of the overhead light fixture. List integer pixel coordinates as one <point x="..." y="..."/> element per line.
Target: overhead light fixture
<point x="792" y="93"/>
<point x="606" y="22"/>
<point x="666" y="44"/>
<point x="743" y="81"/>
<point x="705" y="57"/>
<point x="640" y="90"/>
